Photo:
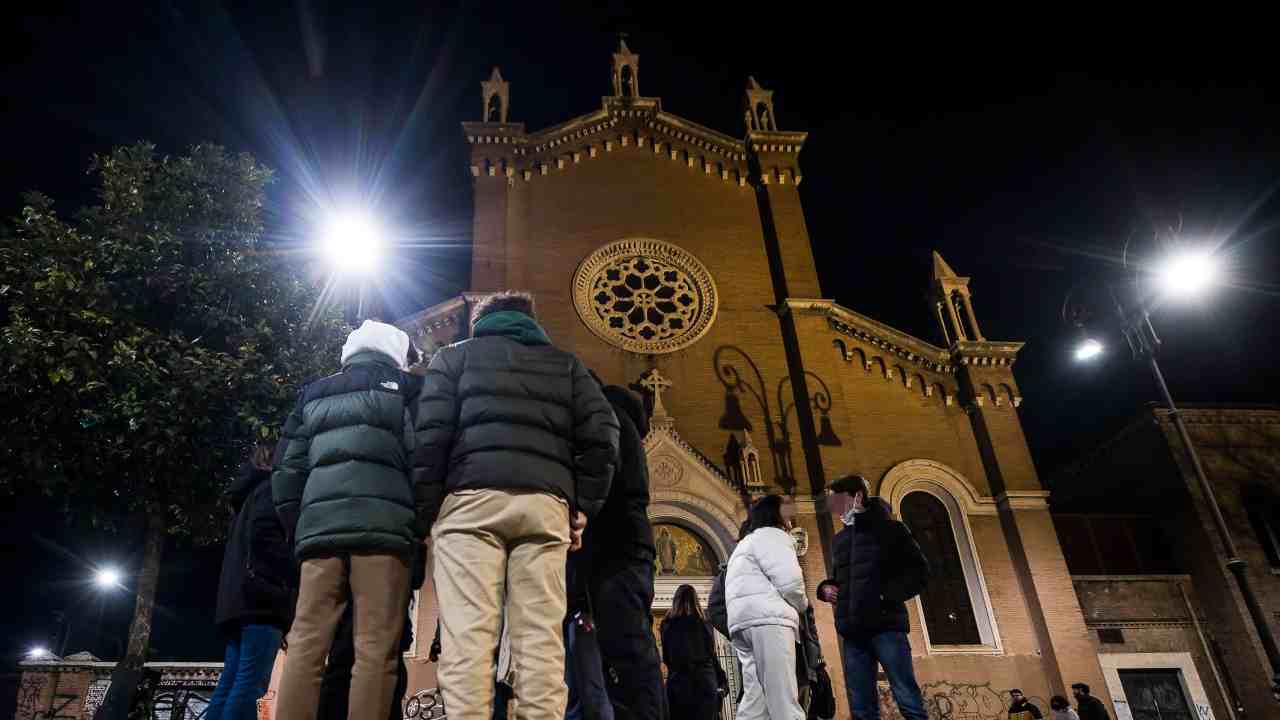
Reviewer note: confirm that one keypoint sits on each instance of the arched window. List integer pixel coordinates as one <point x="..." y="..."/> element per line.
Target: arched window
<point x="948" y="599"/>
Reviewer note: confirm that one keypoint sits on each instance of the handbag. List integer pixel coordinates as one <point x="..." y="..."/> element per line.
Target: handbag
<point x="822" y="698"/>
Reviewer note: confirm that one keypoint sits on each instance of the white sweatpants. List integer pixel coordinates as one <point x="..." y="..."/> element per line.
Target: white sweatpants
<point x="768" y="657"/>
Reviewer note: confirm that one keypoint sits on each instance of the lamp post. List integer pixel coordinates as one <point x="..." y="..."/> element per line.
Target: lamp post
<point x="1183" y="275"/>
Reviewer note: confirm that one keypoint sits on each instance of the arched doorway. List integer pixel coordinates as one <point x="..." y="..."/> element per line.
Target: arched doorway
<point x="684" y="556"/>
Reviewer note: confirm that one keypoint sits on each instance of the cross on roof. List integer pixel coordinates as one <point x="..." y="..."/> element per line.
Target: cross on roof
<point x="654" y="382"/>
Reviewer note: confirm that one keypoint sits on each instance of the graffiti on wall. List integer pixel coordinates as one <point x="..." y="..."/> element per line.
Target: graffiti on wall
<point x="29" y="696"/>
<point x="957" y="701"/>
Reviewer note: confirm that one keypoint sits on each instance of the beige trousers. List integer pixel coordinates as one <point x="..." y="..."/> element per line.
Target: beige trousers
<point x="493" y="548"/>
<point x="379" y="590"/>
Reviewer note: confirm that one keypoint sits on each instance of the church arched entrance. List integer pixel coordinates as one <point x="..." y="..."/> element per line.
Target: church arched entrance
<point x="685" y="557"/>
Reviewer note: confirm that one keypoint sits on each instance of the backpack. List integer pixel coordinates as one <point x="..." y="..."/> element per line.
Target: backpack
<point x="717" y="611"/>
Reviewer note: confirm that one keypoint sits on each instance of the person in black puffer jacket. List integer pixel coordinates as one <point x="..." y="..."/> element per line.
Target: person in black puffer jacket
<point x="516" y="448"/>
<point x="344" y="495"/>
<point x="878" y="567"/>
<point x="255" y="597"/>
<point x="611" y="581"/>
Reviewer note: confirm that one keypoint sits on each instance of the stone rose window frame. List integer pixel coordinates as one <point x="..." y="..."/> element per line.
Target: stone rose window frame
<point x="645" y="296"/>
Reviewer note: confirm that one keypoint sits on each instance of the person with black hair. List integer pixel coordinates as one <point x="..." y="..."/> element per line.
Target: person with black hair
<point x="1060" y="709"/>
<point x="695" y="680"/>
<point x="255" y="591"/>
<point x="765" y="596"/>
<point x="877" y="566"/>
<point x="1022" y="708"/>
<point x="1089" y="707"/>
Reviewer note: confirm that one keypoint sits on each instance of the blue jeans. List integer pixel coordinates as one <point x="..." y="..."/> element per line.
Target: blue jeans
<point x="246" y="671"/>
<point x="892" y="651"/>
<point x="584" y="676"/>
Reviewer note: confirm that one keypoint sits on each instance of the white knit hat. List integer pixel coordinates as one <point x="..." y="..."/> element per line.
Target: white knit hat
<point x="377" y="337"/>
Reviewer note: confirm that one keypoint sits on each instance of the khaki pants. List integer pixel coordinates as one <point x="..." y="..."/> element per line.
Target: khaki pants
<point x="379" y="591"/>
<point x="493" y="548"/>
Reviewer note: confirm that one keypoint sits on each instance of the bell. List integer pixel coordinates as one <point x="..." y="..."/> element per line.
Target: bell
<point x="826" y="435"/>
<point x="733" y="419"/>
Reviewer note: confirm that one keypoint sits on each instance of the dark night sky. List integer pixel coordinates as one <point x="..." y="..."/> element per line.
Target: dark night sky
<point x="969" y="138"/>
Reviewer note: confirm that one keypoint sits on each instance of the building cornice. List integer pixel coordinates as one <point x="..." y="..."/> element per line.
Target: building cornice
<point x="441" y="315"/>
<point x="872" y="332"/>
<point x="771" y="141"/>
<point x="1220" y="415"/>
<point x="1023" y="499"/>
<point x="985" y="352"/>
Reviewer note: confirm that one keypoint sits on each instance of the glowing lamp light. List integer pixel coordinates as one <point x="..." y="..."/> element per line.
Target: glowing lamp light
<point x="107" y="578"/>
<point x="1188" y="273"/>
<point x="37" y="653"/>
<point x="1088" y="349"/>
<point x="352" y="242"/>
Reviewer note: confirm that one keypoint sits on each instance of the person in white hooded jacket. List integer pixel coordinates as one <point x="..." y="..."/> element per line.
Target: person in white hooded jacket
<point x="765" y="595"/>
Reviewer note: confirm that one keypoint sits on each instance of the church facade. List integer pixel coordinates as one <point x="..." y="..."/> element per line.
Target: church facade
<point x="674" y="258"/>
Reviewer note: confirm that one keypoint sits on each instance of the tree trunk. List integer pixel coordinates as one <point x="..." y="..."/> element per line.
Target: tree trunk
<point x="148" y="576"/>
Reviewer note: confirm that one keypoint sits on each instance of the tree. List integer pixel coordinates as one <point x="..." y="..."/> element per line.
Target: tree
<point x="147" y="342"/>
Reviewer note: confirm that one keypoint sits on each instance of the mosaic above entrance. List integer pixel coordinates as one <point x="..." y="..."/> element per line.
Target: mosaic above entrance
<point x="681" y="552"/>
<point x="645" y="296"/>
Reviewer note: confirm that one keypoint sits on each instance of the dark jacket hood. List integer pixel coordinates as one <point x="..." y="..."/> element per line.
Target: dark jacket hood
<point x="248" y="478"/>
<point x="626" y="401"/>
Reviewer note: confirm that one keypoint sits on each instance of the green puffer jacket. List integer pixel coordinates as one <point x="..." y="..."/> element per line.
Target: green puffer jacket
<point x="343" y="484"/>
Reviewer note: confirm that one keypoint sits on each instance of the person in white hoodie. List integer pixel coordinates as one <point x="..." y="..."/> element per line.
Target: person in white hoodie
<point x="346" y="501"/>
<point x="765" y="595"/>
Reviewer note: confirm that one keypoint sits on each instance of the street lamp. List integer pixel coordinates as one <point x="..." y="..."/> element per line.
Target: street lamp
<point x="39" y="652"/>
<point x="1184" y="274"/>
<point x="1187" y="273"/>
<point x="352" y="242"/>
<point x="1088" y="349"/>
<point x="107" y="578"/>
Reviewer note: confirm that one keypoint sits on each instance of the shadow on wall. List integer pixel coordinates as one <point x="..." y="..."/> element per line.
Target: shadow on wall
<point x="750" y="383"/>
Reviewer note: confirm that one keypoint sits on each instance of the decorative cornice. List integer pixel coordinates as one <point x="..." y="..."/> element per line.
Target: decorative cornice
<point x="875" y="333"/>
<point x="483" y="133"/>
<point x="1024" y="499"/>
<point x="1220" y="415"/>
<point x="985" y="352"/>
<point x="769" y="141"/>
<point x="440" y="315"/>
<point x="658" y="432"/>
<point x="621" y="122"/>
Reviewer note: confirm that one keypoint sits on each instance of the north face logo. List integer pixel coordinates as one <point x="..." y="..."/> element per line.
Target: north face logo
<point x="390" y="385"/>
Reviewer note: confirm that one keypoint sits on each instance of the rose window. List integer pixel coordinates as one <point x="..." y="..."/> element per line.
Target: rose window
<point x="645" y="296"/>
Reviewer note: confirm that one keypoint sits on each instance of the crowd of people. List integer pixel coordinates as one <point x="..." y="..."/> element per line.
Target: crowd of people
<point x="525" y="476"/>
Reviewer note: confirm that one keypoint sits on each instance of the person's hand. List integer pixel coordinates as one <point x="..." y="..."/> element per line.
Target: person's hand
<point x="830" y="593"/>
<point x="577" y="523"/>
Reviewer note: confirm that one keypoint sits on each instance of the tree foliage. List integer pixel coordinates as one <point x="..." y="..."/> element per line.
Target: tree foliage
<point x="148" y="340"/>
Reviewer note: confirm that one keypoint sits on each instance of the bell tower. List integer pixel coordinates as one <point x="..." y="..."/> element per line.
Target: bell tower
<point x="626" y="70"/>
<point x="953" y="304"/>
<point x="496" y="92"/>
<point x="495" y="143"/>
<point x="759" y="114"/>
